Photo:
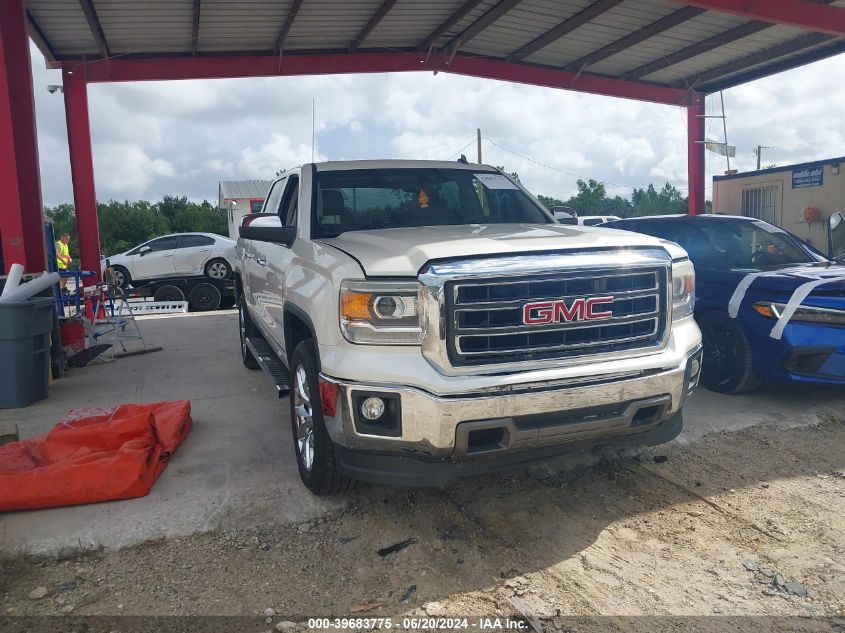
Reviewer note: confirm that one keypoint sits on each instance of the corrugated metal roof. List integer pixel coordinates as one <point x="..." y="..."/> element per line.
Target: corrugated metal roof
<point x="244" y="189"/>
<point x="167" y="28"/>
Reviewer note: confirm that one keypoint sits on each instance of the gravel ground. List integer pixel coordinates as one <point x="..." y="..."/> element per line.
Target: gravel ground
<point x="746" y="523"/>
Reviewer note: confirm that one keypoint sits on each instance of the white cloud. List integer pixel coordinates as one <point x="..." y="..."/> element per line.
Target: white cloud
<point x="278" y="154"/>
<point x="130" y="170"/>
<point x="182" y="137"/>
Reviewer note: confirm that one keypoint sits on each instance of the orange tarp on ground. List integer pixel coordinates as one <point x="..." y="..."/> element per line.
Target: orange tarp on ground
<point x="93" y="456"/>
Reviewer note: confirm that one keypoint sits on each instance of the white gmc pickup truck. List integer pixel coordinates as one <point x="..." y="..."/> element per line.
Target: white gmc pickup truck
<point x="432" y="320"/>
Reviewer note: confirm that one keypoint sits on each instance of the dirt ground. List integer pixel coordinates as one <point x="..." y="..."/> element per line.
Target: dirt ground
<point x="745" y="523"/>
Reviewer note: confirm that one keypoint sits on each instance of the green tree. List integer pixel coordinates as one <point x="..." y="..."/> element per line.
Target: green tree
<point x="549" y="201"/>
<point x="124" y="225"/>
<point x="127" y="224"/>
<point x="649" y="201"/>
<point x="617" y="205"/>
<point x="200" y="217"/>
<point x="590" y="199"/>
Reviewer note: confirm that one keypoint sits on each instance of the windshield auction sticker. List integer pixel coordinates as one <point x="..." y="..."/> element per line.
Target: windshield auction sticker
<point x="495" y="181"/>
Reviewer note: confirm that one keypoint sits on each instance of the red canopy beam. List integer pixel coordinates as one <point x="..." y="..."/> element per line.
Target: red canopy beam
<point x="695" y="155"/>
<point x="21" y="224"/>
<point x="798" y="13"/>
<point x="82" y="172"/>
<point x="162" y="69"/>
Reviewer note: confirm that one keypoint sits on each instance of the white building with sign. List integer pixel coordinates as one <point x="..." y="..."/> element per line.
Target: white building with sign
<point x="798" y="198"/>
<point x="237" y="198"/>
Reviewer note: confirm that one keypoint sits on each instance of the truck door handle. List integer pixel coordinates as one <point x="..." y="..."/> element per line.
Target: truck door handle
<point x="261" y="261"/>
<point x="171" y="255"/>
<point x="204" y="250"/>
<point x="249" y="255"/>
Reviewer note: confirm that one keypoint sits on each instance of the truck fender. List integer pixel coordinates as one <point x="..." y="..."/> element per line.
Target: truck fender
<point x="294" y="316"/>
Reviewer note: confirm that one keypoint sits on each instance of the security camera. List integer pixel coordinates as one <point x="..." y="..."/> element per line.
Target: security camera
<point x="54" y="88"/>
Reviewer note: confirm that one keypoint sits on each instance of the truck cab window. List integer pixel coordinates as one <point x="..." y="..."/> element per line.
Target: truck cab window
<point x="290" y="202"/>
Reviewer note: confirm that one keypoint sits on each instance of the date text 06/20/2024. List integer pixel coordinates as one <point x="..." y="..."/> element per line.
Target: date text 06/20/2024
<point x="424" y="623"/>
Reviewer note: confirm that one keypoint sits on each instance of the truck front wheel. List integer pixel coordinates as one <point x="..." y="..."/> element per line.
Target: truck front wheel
<point x="727" y="366"/>
<point x="311" y="442"/>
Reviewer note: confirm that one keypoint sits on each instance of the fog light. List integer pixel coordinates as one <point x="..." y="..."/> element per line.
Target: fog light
<point x="372" y="408"/>
<point x="695" y="366"/>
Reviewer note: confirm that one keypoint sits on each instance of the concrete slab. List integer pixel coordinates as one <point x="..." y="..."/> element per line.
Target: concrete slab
<point x="236" y="469"/>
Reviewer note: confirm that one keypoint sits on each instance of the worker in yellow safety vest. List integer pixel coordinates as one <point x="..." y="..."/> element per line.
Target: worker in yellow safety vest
<point x="63" y="258"/>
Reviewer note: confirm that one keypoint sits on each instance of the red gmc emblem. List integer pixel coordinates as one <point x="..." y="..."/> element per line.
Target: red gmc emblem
<point x="581" y="309"/>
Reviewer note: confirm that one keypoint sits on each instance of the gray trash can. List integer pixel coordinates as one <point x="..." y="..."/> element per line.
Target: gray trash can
<point x="25" y="351"/>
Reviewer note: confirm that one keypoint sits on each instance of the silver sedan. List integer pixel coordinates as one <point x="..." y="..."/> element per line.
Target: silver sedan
<point x="181" y="254"/>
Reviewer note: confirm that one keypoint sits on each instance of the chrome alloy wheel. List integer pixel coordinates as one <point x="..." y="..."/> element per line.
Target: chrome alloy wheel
<point x="218" y="270"/>
<point x="304" y="418"/>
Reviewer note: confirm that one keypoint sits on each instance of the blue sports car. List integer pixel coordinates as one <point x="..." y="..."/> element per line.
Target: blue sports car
<point x="770" y="306"/>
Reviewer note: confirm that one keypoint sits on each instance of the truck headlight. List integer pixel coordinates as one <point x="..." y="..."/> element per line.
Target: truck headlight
<point x="804" y="314"/>
<point x="381" y="313"/>
<point x="683" y="289"/>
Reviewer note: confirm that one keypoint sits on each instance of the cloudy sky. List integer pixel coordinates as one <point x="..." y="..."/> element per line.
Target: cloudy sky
<point x="157" y="138"/>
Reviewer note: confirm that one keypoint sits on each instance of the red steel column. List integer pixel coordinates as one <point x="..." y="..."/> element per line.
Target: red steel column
<point x="695" y="154"/>
<point x="82" y="172"/>
<point x="21" y="222"/>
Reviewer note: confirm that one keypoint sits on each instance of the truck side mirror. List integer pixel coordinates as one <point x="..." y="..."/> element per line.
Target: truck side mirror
<point x="266" y="227"/>
<point x="144" y="250"/>
<point x="836" y="236"/>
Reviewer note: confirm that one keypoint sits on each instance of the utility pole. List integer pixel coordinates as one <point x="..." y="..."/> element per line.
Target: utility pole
<point x="478" y="140"/>
<point x="759" y="153"/>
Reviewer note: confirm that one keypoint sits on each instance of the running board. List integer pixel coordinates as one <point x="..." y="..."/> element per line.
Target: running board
<point x="270" y="364"/>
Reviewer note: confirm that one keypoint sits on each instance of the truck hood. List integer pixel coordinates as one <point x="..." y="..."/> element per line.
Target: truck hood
<point x="403" y="252"/>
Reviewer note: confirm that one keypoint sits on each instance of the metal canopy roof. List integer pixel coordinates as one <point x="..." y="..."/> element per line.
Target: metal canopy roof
<point x="244" y="189"/>
<point x="700" y="45"/>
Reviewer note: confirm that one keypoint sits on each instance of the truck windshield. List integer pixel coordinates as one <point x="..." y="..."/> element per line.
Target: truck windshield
<point x="366" y="199"/>
<point x="730" y="244"/>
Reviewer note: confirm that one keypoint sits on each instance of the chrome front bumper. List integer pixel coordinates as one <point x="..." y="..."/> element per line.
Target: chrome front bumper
<point x="532" y="415"/>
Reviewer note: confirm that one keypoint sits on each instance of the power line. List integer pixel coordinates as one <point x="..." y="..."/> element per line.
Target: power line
<point x="562" y="171"/>
<point x="462" y="149"/>
<point x="838" y="140"/>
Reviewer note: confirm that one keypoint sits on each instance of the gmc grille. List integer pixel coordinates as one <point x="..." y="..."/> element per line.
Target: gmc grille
<point x="484" y="317"/>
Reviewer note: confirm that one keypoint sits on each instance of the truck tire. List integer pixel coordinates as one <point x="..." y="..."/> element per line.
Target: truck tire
<point x="311" y="442"/>
<point x="204" y="298"/>
<point x="246" y="329"/>
<point x="168" y="292"/>
<point x="727" y="365"/>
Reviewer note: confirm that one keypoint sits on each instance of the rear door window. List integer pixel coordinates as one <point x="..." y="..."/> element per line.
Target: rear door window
<point x="190" y="241"/>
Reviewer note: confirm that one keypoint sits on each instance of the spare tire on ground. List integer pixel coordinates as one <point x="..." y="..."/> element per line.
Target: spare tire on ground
<point x="204" y="297"/>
